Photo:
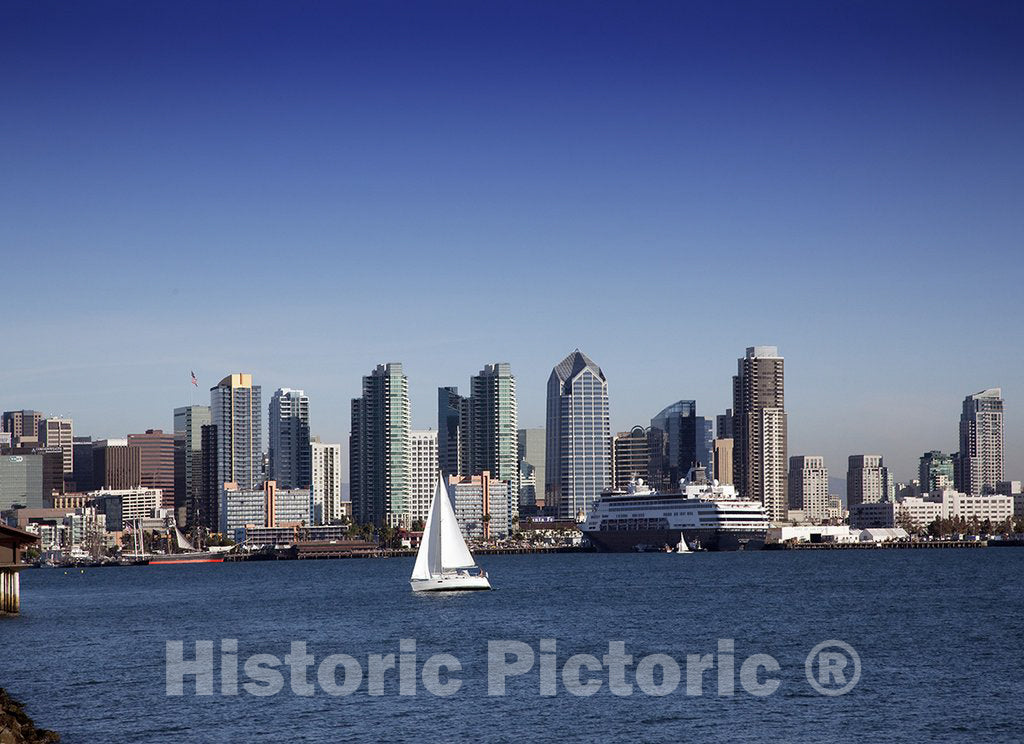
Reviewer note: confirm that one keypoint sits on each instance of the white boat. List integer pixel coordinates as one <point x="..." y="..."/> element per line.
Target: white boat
<point x="444" y="563"/>
<point x="705" y="514"/>
<point x="682" y="547"/>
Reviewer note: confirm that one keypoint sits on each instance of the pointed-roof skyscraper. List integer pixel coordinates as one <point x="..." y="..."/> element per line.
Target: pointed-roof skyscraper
<point x="578" y="452"/>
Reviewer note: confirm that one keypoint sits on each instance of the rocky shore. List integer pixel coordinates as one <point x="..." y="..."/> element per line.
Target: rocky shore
<point x="18" y="728"/>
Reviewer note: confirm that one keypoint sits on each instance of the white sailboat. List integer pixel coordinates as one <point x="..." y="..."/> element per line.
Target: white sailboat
<point x="682" y="547"/>
<point x="443" y="562"/>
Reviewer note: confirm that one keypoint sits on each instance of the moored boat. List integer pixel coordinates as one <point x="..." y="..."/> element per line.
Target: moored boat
<point x="702" y="514"/>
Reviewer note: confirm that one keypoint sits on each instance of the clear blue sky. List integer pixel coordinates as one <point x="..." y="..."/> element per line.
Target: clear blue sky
<point x="302" y="190"/>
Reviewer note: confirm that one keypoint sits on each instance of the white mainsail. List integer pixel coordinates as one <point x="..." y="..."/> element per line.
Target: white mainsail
<point x="442" y="546"/>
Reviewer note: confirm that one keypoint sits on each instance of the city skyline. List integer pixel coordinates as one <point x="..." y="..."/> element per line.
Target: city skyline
<point x="423" y="407"/>
<point x="828" y="183"/>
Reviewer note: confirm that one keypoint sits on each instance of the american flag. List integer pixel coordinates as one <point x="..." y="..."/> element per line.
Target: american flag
<point x="194" y="380"/>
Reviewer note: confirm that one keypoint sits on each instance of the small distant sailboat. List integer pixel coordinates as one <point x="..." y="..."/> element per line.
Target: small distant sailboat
<point x="682" y="547"/>
<point x="444" y="562"/>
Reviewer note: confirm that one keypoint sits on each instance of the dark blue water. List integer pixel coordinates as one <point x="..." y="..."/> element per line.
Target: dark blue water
<point x="939" y="632"/>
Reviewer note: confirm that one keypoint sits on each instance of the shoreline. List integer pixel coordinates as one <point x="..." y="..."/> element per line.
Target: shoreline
<point x="16" y="727"/>
<point x="323" y="552"/>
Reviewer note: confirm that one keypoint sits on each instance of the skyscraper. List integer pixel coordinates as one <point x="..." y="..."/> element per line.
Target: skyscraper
<point x="578" y="450"/>
<point x="21" y="482"/>
<point x="156" y="463"/>
<point x="116" y="465"/>
<point x="532" y="444"/>
<point x="205" y="508"/>
<point x="325" y="460"/>
<point x="289" y="439"/>
<point x="452" y="431"/>
<point x="423" y="473"/>
<point x="23" y="427"/>
<point x="82" y="476"/>
<point x="759" y="427"/>
<point x="59" y="432"/>
<point x="808" y="486"/>
<point x="188" y="424"/>
<point x="236" y="411"/>
<point x="723" y="461"/>
<point x="480" y="431"/>
<point x="679" y="439"/>
<point x="867" y="480"/>
<point x="494" y="429"/>
<point x="935" y="472"/>
<point x="631" y="456"/>
<point x="724" y="425"/>
<point x="980" y="462"/>
<point x="379" y="449"/>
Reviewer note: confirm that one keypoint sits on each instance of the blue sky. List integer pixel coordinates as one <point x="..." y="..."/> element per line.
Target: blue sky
<point x="303" y="190"/>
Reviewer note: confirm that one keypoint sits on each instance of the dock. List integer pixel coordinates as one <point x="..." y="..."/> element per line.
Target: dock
<point x="12" y="546"/>
<point x="889" y="545"/>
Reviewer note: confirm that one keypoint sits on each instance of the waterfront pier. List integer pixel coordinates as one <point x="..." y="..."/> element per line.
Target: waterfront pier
<point x="12" y="545"/>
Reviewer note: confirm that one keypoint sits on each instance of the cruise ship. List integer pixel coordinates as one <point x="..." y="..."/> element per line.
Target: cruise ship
<point x="709" y="516"/>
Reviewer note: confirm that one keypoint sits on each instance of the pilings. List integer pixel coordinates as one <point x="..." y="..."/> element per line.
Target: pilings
<point x="10" y="591"/>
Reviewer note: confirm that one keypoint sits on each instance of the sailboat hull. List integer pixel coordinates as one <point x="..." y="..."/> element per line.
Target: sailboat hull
<point x="450" y="583"/>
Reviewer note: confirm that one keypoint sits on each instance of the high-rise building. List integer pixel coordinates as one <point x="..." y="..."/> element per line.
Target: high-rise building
<point x="531" y="468"/>
<point x="241" y="507"/>
<point x="759" y="427"/>
<point x="631" y="456"/>
<point x="423" y="473"/>
<point x="452" y="431"/>
<point x="480" y="503"/>
<point x="116" y="465"/>
<point x="266" y="506"/>
<point x="867" y="480"/>
<point x="808" y="486"/>
<point x="980" y="462"/>
<point x="23" y="427"/>
<point x="494" y="429"/>
<point x="53" y="469"/>
<point x="289" y="439"/>
<point x="723" y="461"/>
<point x="287" y="506"/>
<point x="379" y="449"/>
<point x="81" y="475"/>
<point x="188" y="424"/>
<point x="935" y="472"/>
<point x="236" y="411"/>
<point x="578" y="451"/>
<point x="21" y="481"/>
<point x="204" y="509"/>
<point x="724" y="425"/>
<point x="480" y="432"/>
<point x="325" y="461"/>
<point x="59" y="432"/>
<point x="679" y="439"/>
<point x="156" y="463"/>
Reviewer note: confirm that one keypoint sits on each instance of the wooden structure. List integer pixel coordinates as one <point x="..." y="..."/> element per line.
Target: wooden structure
<point x="12" y="545"/>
